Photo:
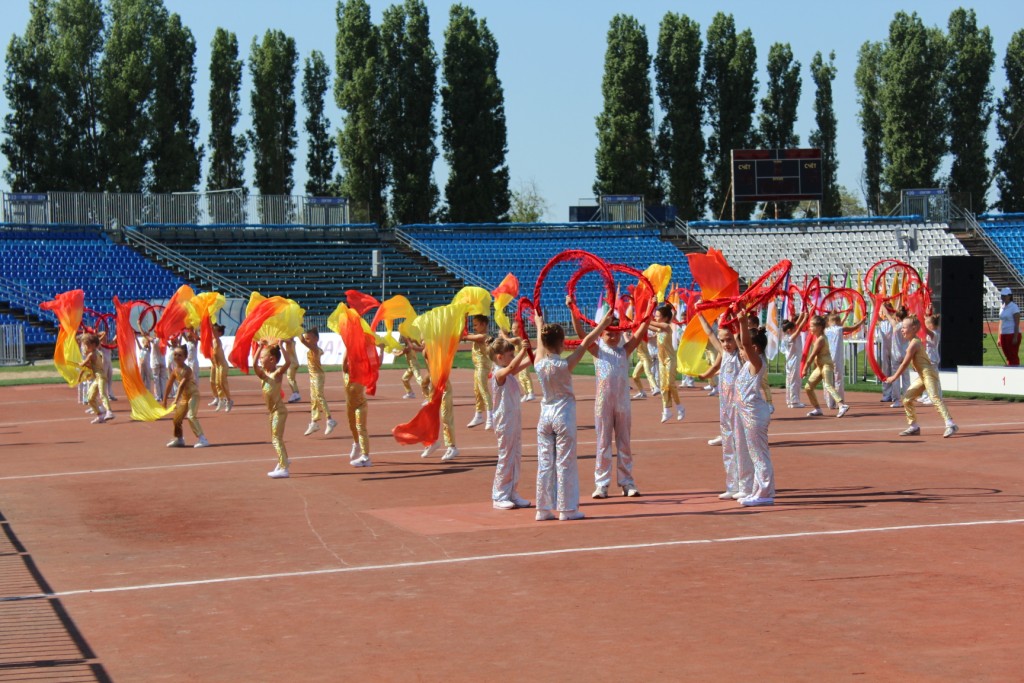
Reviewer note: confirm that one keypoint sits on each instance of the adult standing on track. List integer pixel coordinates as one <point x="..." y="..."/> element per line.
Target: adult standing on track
<point x="1009" y="327"/>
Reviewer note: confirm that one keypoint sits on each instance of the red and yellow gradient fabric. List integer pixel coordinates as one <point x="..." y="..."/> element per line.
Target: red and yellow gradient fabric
<point x="172" y="321"/>
<point x="391" y="310"/>
<point x="67" y="354"/>
<point x="659" y="277"/>
<point x="717" y="280"/>
<point x="202" y="313"/>
<point x="145" y="407"/>
<point x="273" y="318"/>
<point x="360" y="346"/>
<point x="440" y="329"/>
<point x="360" y="302"/>
<point x="504" y="294"/>
<point x="476" y="300"/>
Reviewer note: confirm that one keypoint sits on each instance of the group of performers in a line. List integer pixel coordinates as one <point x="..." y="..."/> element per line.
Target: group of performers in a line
<point x="501" y="383"/>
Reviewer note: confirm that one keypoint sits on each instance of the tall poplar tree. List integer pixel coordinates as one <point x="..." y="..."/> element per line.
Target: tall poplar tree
<point x="969" y="98"/>
<point x="34" y="120"/>
<point x="680" y="137"/>
<point x="868" y="78"/>
<point x="473" y="129"/>
<point x="320" y="158"/>
<point x="729" y="89"/>
<point x="273" y="63"/>
<point x="824" y="136"/>
<point x="913" y="96"/>
<point x="409" y="65"/>
<point x="227" y="150"/>
<point x="174" y="150"/>
<point x="357" y="92"/>
<point x="626" y="162"/>
<point x="1009" y="164"/>
<point x="778" y="108"/>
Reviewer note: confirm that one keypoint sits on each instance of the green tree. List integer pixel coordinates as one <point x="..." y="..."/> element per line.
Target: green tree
<point x="824" y="136"/>
<point x="320" y="148"/>
<point x="227" y="150"/>
<point x="969" y="98"/>
<point x="680" y="137"/>
<point x="78" y="45"/>
<point x="1009" y="162"/>
<point x="626" y="162"/>
<point x="473" y="130"/>
<point x="849" y="204"/>
<point x="34" y="120"/>
<point x="527" y="203"/>
<point x="778" y="108"/>
<point x="868" y="78"/>
<point x="729" y="89"/>
<point x="915" y="116"/>
<point x="174" y="150"/>
<point x="409" y="64"/>
<point x="273" y="64"/>
<point x="127" y="82"/>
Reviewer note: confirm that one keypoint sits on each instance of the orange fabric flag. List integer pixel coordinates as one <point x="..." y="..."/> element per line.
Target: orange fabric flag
<point x="360" y="347"/>
<point x="67" y="354"/>
<point x="477" y="300"/>
<point x="440" y="329"/>
<point x="392" y="309"/>
<point x="172" y="321"/>
<point x="202" y="313"/>
<point x="246" y="333"/>
<point x="359" y="301"/>
<point x="505" y="293"/>
<point x="717" y="280"/>
<point x="145" y="407"/>
<point x="659" y="277"/>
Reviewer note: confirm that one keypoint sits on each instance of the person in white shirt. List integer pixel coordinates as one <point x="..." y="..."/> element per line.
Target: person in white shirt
<point x="1009" y="327"/>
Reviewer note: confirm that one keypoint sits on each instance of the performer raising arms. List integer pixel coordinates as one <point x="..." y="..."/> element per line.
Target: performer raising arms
<point x="823" y="371"/>
<point x="481" y="370"/>
<point x="662" y="323"/>
<point x="317" y="403"/>
<point x="270" y="374"/>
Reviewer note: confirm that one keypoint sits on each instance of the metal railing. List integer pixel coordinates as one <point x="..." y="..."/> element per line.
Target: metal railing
<point x="458" y="271"/>
<point x="192" y="270"/>
<point x="26" y="299"/>
<point x="975" y="229"/>
<point x="182" y="208"/>
<point x="12" y="345"/>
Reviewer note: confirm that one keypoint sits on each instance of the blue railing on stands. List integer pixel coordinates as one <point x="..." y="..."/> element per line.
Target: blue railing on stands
<point x="518" y="227"/>
<point x="842" y="220"/>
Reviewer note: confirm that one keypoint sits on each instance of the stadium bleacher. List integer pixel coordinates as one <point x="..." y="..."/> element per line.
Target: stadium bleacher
<point x="1008" y="234"/>
<point x="491" y="252"/>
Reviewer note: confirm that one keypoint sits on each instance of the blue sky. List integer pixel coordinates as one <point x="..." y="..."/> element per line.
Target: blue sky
<point x="552" y="59"/>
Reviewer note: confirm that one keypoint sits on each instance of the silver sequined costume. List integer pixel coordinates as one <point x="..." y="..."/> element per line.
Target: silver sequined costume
<point x="558" y="480"/>
<point x="612" y="414"/>
<point x="752" y="431"/>
<point x="508" y="428"/>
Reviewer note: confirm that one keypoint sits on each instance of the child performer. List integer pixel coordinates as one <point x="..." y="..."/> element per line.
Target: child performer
<point x="739" y="470"/>
<point x="158" y="368"/>
<point x="143" y="355"/>
<point x="92" y="368"/>
<point x="481" y="369"/>
<point x="317" y="403"/>
<point x="834" y="333"/>
<point x="754" y="324"/>
<point x="219" y="373"/>
<point x="519" y="343"/>
<point x="644" y="363"/>
<point x="793" y="349"/>
<point x="192" y="347"/>
<point x="558" y="481"/>
<point x="662" y="324"/>
<point x="108" y="366"/>
<point x="447" y="425"/>
<point x="358" y="413"/>
<point x="612" y="413"/>
<point x="931" y="346"/>
<point x="508" y="425"/>
<point x="266" y="368"/>
<point x="84" y="378"/>
<point x="927" y="379"/>
<point x="412" y="372"/>
<point x="823" y="371"/>
<point x="677" y="336"/>
<point x="754" y="416"/>
<point x="899" y="350"/>
<point x="186" y="401"/>
<point x="292" y="360"/>
<point x="883" y="337"/>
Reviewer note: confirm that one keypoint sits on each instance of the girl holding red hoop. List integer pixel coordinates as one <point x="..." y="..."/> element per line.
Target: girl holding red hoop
<point x="823" y="372"/>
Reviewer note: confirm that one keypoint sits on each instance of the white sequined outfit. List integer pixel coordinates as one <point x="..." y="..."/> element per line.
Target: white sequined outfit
<point x="883" y="337"/>
<point x="652" y="349"/>
<point x="899" y="350"/>
<point x="558" y="479"/>
<point x="834" y="337"/>
<point x="738" y="470"/>
<point x="508" y="428"/>
<point x="792" y="349"/>
<point x="612" y="416"/>
<point x="752" y="421"/>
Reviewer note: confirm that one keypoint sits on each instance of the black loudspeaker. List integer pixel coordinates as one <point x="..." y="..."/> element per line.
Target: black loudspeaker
<point x="957" y="284"/>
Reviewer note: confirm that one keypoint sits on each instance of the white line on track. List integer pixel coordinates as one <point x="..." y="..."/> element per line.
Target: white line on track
<point x="410" y="451"/>
<point x="511" y="556"/>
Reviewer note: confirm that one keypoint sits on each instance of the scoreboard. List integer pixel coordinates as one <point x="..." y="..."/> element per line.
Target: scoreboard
<point x="771" y="175"/>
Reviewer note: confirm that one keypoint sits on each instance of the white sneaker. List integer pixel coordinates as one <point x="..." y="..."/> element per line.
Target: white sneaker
<point x="176" y="443"/>
<point x="429" y="450"/>
<point x="489" y="424"/>
<point x="951" y="429"/>
<point x="356" y="453"/>
<point x="713" y="392"/>
<point x="108" y="416"/>
<point x="755" y="502"/>
<point x="97" y="420"/>
<point x="912" y="430"/>
<point x="740" y="495"/>
<point x="478" y="419"/>
<point x="655" y="392"/>
<point x="214" y="402"/>
<point x="331" y="424"/>
<point x="639" y="395"/>
<point x="294" y="398"/>
<point x="896" y="404"/>
<point x="666" y="415"/>
<point x="503" y="505"/>
<point x="362" y="461"/>
<point x="717" y="441"/>
<point x="630" y="491"/>
<point x="520" y="502"/>
<point x="799" y="405"/>
<point x="709" y="387"/>
<point x="408" y="394"/>
<point x="600" y="492"/>
<point x="545" y="515"/>
<point x="843" y="410"/>
<point x="312" y="428"/>
<point x="202" y="443"/>
<point x="570" y="515"/>
<point x="278" y="473"/>
<point x="814" y="413"/>
<point x="450" y="454"/>
<point x="680" y="413"/>
<point x="229" y="405"/>
<point x="529" y="398"/>
<point x="727" y="495"/>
